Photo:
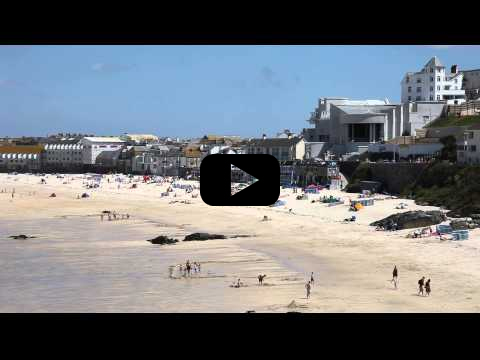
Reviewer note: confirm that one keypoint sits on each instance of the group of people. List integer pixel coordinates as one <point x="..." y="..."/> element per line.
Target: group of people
<point x="114" y="216"/>
<point x="188" y="268"/>
<point x="423" y="286"/>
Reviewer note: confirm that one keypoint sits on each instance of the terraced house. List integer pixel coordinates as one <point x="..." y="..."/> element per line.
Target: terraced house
<point x="283" y="149"/>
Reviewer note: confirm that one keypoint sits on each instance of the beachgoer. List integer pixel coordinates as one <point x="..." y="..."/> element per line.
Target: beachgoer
<point x="421" y="282"/>
<point x="238" y="283"/>
<point x="311" y="279"/>
<point x="308" y="287"/>
<point x="260" y="278"/>
<point x="128" y="216"/>
<point x="395" y="276"/>
<point x="199" y="269"/>
<point x="427" y="287"/>
<point x="189" y="267"/>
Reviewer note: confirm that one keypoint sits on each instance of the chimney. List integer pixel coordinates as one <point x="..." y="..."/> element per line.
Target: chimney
<point x="454" y="69"/>
<point x="264" y="137"/>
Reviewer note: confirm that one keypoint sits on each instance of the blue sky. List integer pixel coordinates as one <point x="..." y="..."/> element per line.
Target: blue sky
<point x="196" y="90"/>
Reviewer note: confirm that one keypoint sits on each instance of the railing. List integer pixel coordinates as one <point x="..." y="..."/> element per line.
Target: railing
<point x="467" y="108"/>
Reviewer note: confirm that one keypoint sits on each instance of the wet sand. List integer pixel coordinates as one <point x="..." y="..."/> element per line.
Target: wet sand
<point x="79" y="263"/>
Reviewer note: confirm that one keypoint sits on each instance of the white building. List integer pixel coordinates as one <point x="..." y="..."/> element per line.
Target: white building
<point x="468" y="151"/>
<point x="348" y="126"/>
<point x="101" y="151"/>
<point x="433" y="83"/>
<point x="65" y="156"/>
<point x="283" y="149"/>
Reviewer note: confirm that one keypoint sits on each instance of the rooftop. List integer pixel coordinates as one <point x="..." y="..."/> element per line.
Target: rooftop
<point x="104" y="139"/>
<point x="275" y="142"/>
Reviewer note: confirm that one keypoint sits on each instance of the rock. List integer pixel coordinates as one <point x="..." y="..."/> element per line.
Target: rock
<point x="203" y="237"/>
<point x="21" y="237"/>
<point x="292" y="305"/>
<point x="163" y="240"/>
<point x="410" y="219"/>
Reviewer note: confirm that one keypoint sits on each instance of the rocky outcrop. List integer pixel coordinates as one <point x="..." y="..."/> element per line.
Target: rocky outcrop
<point x="21" y="237"/>
<point x="163" y="240"/>
<point x="410" y="219"/>
<point x="203" y="237"/>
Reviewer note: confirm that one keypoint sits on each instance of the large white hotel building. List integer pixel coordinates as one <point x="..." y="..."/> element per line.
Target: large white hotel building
<point x="433" y="83"/>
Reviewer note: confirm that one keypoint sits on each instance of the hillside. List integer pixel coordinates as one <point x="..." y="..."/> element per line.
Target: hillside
<point x="442" y="183"/>
<point x="455" y="121"/>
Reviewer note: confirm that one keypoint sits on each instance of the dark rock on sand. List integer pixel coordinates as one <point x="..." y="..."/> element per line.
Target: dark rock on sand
<point x="163" y="240"/>
<point x="411" y="219"/>
<point x="21" y="237"/>
<point x="203" y="237"/>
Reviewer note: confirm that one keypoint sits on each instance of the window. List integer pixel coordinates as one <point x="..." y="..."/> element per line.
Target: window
<point x="431" y="70"/>
<point x="473" y="148"/>
<point x="431" y="88"/>
<point x="456" y="81"/>
<point x="447" y="87"/>
<point x="419" y="81"/>
<point x="470" y="135"/>
<point x="408" y="79"/>
<point x="431" y="78"/>
<point x="409" y="89"/>
<point x="438" y="78"/>
<point x="419" y="89"/>
<point x="418" y="98"/>
<point x="409" y="98"/>
<point x="438" y="87"/>
<point x="431" y="97"/>
<point x="438" y="97"/>
<point x="456" y="87"/>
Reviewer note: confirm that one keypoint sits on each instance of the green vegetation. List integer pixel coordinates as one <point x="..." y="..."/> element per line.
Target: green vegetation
<point x="452" y="186"/>
<point x="443" y="183"/>
<point x="449" y="150"/>
<point x="452" y="120"/>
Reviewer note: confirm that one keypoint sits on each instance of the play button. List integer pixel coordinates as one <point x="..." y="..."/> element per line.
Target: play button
<point x="216" y="179"/>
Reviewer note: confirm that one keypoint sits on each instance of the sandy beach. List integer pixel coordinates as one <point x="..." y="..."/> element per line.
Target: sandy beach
<point x="78" y="263"/>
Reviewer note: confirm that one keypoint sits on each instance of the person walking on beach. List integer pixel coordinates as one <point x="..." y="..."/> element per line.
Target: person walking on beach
<point x="421" y="282"/>
<point x="308" y="287"/>
<point x="395" y="276"/>
<point x="312" y="280"/>
<point x="188" y="266"/>
<point x="427" y="287"/>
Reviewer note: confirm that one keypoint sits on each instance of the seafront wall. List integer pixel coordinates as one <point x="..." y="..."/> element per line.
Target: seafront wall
<point x="395" y="177"/>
